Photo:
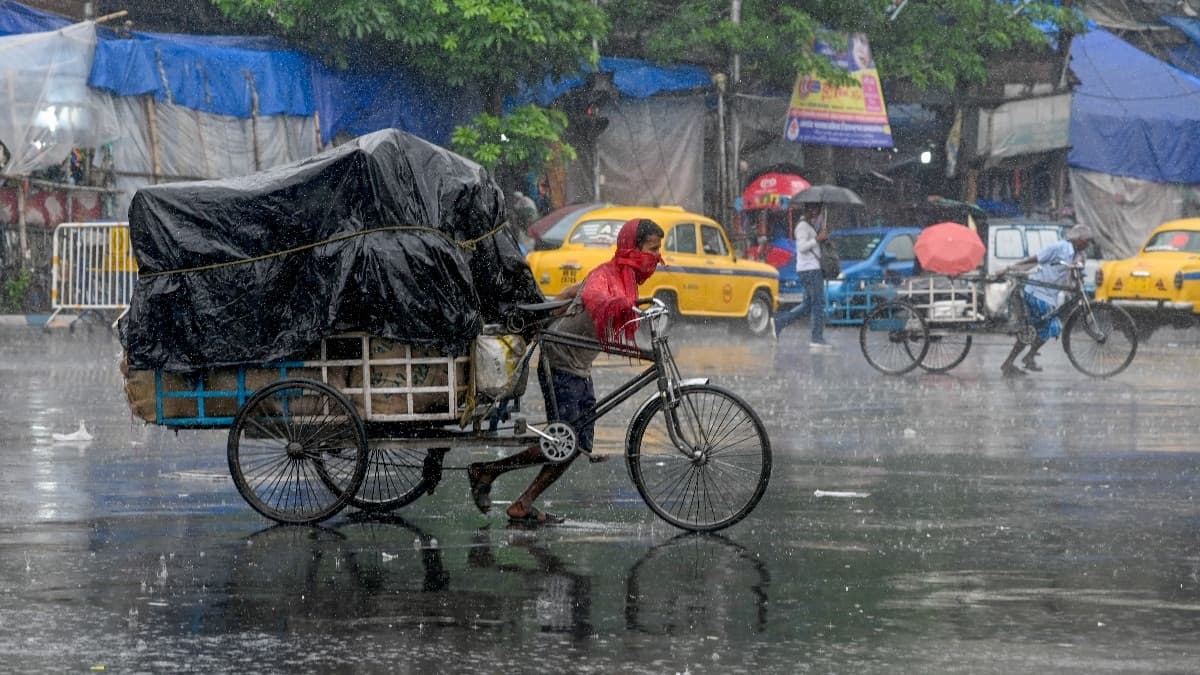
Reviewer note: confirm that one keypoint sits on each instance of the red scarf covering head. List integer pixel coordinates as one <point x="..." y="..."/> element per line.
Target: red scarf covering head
<point x="611" y="289"/>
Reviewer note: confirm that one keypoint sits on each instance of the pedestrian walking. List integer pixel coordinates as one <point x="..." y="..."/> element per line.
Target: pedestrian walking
<point x="808" y="238"/>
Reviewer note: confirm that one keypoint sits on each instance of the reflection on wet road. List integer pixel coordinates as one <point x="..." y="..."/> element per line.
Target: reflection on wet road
<point x="925" y="523"/>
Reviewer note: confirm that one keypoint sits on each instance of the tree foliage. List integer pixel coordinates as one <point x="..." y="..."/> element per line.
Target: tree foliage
<point x="507" y="146"/>
<point x="943" y="43"/>
<point x="491" y="44"/>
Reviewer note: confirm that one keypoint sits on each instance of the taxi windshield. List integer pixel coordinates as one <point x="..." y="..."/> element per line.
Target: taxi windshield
<point x="1184" y="241"/>
<point x="596" y="232"/>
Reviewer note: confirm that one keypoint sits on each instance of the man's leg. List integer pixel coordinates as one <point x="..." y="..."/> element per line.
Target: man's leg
<point x="816" y="296"/>
<point x="523" y="505"/>
<point x="1028" y="361"/>
<point x="1007" y="367"/>
<point x="789" y="315"/>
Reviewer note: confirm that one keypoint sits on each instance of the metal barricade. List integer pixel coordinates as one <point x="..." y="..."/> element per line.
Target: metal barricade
<point x="92" y="269"/>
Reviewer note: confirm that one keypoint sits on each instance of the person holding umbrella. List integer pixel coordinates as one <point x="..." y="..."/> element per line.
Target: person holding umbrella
<point x="1054" y="263"/>
<point x="808" y="267"/>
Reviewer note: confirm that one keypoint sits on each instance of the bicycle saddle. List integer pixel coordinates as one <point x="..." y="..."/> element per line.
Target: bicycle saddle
<point x="542" y="307"/>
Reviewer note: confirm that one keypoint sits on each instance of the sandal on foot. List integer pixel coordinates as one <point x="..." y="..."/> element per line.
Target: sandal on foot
<point x="481" y="493"/>
<point x="536" y="516"/>
<point x="1011" y="371"/>
<point x="1032" y="366"/>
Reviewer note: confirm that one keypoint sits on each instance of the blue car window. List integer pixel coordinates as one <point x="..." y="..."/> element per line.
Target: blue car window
<point x="856" y="246"/>
<point x="901" y="247"/>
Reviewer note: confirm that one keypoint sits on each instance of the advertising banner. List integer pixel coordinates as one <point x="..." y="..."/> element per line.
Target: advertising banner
<point x="848" y="116"/>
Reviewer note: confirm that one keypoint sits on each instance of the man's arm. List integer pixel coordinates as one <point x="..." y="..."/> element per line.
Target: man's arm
<point x="805" y="238"/>
<point x="570" y="292"/>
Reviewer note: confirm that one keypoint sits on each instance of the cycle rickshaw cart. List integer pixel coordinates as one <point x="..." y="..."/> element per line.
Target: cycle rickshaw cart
<point x="355" y="419"/>
<point x="933" y="319"/>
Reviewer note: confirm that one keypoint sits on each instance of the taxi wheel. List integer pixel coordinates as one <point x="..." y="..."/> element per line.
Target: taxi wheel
<point x="758" y="315"/>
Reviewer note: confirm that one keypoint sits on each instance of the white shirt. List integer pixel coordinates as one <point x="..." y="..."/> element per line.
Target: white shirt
<point x="808" y="249"/>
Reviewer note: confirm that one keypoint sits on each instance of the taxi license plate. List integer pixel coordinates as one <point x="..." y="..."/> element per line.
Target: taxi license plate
<point x="569" y="275"/>
<point x="1139" y="284"/>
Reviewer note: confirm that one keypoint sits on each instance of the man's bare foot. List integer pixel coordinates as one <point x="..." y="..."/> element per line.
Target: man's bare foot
<point x="481" y="487"/>
<point x="531" y="516"/>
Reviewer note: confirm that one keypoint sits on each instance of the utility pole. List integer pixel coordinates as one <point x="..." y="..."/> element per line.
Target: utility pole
<point x="733" y="175"/>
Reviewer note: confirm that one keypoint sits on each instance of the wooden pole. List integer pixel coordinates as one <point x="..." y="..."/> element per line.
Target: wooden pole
<point x="22" y="195"/>
<point x="110" y="17"/>
<point x="152" y="119"/>
<point x="254" y="120"/>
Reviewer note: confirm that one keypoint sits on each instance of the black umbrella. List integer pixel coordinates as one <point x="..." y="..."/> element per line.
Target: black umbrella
<point x="827" y="194"/>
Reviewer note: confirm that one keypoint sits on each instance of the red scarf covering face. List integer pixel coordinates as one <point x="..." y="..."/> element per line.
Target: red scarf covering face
<point x="611" y="289"/>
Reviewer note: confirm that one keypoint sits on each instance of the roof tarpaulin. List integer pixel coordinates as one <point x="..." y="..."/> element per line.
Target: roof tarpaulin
<point x="16" y="18"/>
<point x="1133" y="115"/>
<point x="632" y="77"/>
<point x="215" y="74"/>
<point x="387" y="234"/>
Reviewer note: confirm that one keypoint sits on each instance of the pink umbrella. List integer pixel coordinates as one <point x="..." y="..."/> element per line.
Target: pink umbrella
<point x="949" y="248"/>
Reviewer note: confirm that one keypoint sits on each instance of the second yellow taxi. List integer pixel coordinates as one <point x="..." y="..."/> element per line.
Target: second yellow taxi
<point x="1161" y="284"/>
<point x="702" y="276"/>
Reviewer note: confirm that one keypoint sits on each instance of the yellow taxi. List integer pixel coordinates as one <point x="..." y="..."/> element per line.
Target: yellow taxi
<point x="1161" y="284"/>
<point x="702" y="276"/>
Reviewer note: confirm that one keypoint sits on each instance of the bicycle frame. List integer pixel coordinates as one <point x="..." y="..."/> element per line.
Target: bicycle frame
<point x="663" y="371"/>
<point x="1076" y="297"/>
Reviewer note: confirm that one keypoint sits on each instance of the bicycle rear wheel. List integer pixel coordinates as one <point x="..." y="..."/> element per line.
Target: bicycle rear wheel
<point x="297" y="451"/>
<point x="894" y="338"/>
<point x="721" y="474"/>
<point x="1100" y="340"/>
<point x="395" y="477"/>
<point x="945" y="351"/>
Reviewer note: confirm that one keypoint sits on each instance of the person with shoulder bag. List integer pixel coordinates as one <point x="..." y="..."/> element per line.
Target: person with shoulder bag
<point x="809" y="241"/>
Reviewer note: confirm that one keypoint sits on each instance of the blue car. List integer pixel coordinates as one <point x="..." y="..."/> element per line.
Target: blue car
<point x="870" y="256"/>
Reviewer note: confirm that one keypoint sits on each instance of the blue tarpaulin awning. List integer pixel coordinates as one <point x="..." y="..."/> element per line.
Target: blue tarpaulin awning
<point x="1133" y="115"/>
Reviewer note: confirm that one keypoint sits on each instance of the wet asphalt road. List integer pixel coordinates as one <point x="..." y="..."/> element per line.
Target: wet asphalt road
<point x="977" y="524"/>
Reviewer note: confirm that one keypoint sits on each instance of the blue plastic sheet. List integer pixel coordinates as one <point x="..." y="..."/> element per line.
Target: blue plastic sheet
<point x="632" y="77"/>
<point x="208" y="74"/>
<point x="1133" y="115"/>
<point x="16" y="19"/>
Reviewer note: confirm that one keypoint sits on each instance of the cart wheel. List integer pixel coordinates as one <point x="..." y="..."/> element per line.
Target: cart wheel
<point x="945" y="351"/>
<point x="894" y="338"/>
<point x="1100" y="339"/>
<point x="722" y="473"/>
<point x="395" y="477"/>
<point x="297" y="451"/>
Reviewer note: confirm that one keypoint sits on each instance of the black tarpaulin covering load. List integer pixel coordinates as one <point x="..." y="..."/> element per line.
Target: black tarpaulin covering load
<point x="386" y="234"/>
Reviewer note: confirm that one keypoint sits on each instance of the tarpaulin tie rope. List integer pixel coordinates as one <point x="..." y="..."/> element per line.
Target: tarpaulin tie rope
<point x="467" y="244"/>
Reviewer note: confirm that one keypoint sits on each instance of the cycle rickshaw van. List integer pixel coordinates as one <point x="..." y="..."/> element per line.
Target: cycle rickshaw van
<point x="333" y="314"/>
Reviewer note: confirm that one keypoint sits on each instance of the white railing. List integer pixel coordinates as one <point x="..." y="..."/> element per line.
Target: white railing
<point x="92" y="269"/>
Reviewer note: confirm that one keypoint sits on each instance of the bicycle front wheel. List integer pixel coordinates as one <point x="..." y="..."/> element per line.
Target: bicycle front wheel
<point x="1100" y="339"/>
<point x="720" y="474"/>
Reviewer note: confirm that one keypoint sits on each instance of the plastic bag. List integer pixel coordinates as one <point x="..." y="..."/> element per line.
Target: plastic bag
<point x="995" y="298"/>
<point x="497" y="364"/>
